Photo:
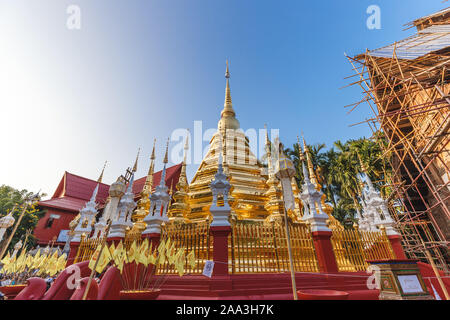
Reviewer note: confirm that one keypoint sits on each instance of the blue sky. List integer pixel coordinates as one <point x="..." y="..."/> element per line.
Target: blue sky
<point x="137" y="70"/>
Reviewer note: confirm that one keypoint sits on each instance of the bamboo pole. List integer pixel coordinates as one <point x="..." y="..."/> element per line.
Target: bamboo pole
<point x="436" y="272"/>
<point x="291" y="264"/>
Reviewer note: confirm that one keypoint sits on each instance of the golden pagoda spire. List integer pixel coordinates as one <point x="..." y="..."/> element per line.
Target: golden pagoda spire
<point x="228" y="116"/>
<point x="179" y="209"/>
<point x="267" y="140"/>
<point x="149" y="180"/>
<point x="312" y="174"/>
<point x="143" y="204"/>
<point x="166" y="156"/>
<point x="100" y="178"/>
<point x="228" y="102"/>
<point x="269" y="154"/>
<point x="300" y="151"/>
<point x="136" y="161"/>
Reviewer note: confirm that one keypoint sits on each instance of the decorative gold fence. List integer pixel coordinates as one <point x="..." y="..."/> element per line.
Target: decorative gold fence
<point x="258" y="248"/>
<point x="87" y="248"/>
<point x="190" y="236"/>
<point x="131" y="237"/>
<point x="353" y="248"/>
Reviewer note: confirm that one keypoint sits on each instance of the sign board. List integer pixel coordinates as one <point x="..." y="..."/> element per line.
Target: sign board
<point x="410" y="283"/>
<point x="208" y="269"/>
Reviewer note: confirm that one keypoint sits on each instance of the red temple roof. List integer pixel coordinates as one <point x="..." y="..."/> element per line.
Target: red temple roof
<point x="74" y="191"/>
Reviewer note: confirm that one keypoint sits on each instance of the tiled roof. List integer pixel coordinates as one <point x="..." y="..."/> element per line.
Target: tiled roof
<point x="74" y="191"/>
<point x="64" y="203"/>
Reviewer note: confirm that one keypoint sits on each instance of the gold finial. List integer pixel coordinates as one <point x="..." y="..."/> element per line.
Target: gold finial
<point x="228" y="101"/>
<point x="100" y="178"/>
<point x="166" y="156"/>
<point x="186" y="146"/>
<point x="136" y="161"/>
<point x="152" y="157"/>
<point x="268" y="145"/>
<point x="300" y="151"/>
<point x="309" y="163"/>
<point x="227" y="116"/>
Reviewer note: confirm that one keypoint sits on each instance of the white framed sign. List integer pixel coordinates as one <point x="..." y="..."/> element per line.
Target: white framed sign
<point x="208" y="269"/>
<point x="410" y="283"/>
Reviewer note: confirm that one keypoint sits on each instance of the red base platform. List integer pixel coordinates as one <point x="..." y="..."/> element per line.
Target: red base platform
<point x="263" y="286"/>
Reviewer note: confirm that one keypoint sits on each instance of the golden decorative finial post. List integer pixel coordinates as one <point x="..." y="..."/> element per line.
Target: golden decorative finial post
<point x="166" y="156"/>
<point x="100" y="178"/>
<point x="136" y="161"/>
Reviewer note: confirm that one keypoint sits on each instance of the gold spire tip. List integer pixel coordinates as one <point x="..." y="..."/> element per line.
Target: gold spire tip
<point x="100" y="178"/>
<point x="227" y="71"/>
<point x="136" y="161"/>
<point x="152" y="157"/>
<point x="166" y="156"/>
<point x="186" y="144"/>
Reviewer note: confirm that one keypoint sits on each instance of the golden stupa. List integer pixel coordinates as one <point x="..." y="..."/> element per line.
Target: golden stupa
<point x="255" y="193"/>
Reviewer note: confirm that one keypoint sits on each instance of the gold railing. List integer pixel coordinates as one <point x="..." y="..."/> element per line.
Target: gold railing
<point x="259" y="248"/>
<point x="87" y="248"/>
<point x="190" y="236"/>
<point x="131" y="237"/>
<point x="353" y="248"/>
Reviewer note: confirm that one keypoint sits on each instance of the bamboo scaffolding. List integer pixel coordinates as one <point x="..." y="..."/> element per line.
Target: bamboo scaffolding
<point x="410" y="102"/>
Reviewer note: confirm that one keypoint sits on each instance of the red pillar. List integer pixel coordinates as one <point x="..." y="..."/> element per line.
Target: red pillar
<point x="324" y="251"/>
<point x="72" y="253"/>
<point x="220" y="279"/>
<point x="220" y="250"/>
<point x="396" y="243"/>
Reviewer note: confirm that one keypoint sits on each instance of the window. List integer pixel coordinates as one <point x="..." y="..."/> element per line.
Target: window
<point x="51" y="219"/>
<point x="49" y="222"/>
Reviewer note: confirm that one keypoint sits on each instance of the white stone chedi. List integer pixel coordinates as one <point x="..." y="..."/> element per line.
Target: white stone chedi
<point x="159" y="201"/>
<point x="125" y="208"/>
<point x="312" y="205"/>
<point x="220" y="186"/>
<point x="87" y="216"/>
<point x="375" y="212"/>
<point x="116" y="191"/>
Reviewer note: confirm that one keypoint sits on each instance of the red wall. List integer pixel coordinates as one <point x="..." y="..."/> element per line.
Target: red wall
<point x="45" y="235"/>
